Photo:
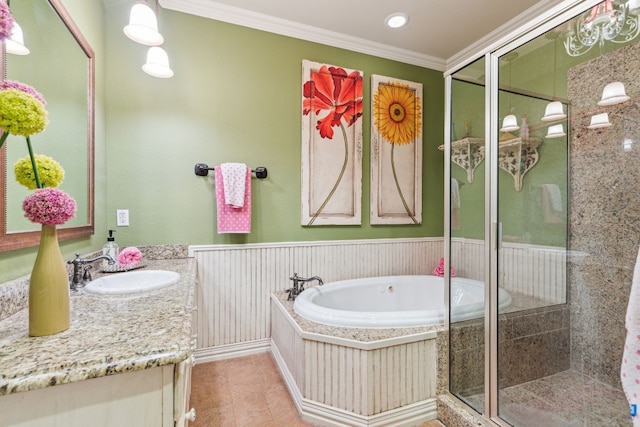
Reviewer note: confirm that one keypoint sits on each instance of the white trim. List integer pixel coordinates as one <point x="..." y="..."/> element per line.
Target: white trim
<point x="315" y="412"/>
<point x="230" y="351"/>
<point x="521" y="24"/>
<point x="204" y="248"/>
<point x="258" y="21"/>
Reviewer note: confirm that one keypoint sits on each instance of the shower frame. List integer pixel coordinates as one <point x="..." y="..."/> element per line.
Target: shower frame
<point x="551" y="15"/>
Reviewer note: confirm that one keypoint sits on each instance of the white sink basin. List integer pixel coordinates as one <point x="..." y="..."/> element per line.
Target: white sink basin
<point x="132" y="281"/>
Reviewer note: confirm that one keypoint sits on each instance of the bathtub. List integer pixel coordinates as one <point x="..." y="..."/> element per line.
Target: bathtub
<point x="393" y="301"/>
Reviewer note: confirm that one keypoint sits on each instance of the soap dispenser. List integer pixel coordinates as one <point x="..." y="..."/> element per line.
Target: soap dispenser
<point x="111" y="248"/>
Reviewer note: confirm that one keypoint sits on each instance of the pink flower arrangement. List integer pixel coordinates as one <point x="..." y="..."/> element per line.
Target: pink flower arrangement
<point x="6" y="21"/>
<point x="439" y="270"/>
<point x="129" y="255"/>
<point x="49" y="206"/>
<point x="22" y="87"/>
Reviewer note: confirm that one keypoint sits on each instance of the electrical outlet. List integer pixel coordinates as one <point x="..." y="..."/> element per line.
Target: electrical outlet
<point x="122" y="217"/>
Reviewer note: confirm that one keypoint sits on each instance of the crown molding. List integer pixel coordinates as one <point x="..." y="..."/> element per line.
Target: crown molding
<point x="245" y="18"/>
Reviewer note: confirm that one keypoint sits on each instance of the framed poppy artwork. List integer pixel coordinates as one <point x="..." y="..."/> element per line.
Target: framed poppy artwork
<point x="331" y="145"/>
<point x="396" y="151"/>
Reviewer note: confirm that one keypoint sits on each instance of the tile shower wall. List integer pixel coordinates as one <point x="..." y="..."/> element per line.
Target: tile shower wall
<point x="605" y="212"/>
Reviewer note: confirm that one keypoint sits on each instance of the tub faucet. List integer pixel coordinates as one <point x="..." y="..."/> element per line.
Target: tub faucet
<point x="80" y="279"/>
<point x="298" y="285"/>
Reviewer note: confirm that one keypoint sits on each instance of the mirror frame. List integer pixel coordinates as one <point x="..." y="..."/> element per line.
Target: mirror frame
<point x="16" y="240"/>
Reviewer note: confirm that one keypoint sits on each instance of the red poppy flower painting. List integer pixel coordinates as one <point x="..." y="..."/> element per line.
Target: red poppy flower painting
<point x="332" y="145"/>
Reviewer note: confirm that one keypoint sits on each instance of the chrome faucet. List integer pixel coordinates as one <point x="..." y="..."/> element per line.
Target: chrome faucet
<point x="298" y="285"/>
<point x="79" y="279"/>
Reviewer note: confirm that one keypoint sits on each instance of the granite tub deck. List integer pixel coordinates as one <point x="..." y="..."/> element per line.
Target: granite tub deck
<point x="108" y="335"/>
<point x="355" y="376"/>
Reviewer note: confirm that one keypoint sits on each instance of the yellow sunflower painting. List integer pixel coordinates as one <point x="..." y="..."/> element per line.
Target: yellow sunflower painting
<point x="396" y="151"/>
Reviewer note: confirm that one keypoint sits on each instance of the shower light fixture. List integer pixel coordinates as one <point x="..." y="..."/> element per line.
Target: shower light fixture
<point x="613" y="94"/>
<point x="554" y="111"/>
<point x="397" y="20"/>
<point x="509" y="123"/>
<point x="157" y="63"/>
<point x="599" y="121"/>
<point x="143" y="26"/>
<point x="15" y="44"/>
<point x="555" y="131"/>
<point x="614" y="21"/>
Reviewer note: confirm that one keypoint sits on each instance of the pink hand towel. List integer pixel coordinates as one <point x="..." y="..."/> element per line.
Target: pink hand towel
<point x="232" y="219"/>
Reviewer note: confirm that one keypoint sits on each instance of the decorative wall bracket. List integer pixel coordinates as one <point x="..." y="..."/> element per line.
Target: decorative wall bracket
<point x="467" y="153"/>
<point x="518" y="156"/>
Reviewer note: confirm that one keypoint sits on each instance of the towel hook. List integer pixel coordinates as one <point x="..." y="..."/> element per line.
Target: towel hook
<point x="202" y="169"/>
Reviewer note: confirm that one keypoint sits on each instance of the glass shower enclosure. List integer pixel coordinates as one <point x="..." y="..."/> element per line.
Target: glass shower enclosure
<point x="544" y="210"/>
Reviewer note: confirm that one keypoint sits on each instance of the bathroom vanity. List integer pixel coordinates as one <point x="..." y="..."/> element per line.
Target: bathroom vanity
<point x="125" y="360"/>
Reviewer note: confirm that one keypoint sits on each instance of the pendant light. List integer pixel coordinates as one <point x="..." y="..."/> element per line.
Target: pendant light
<point x="157" y="63"/>
<point x="143" y="26"/>
<point x="15" y="44"/>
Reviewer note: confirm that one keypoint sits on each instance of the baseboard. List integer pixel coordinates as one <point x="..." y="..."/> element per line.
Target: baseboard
<point x="230" y="351"/>
<point x="321" y="414"/>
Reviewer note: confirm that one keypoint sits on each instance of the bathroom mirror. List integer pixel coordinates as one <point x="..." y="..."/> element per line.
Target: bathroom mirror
<point x="60" y="66"/>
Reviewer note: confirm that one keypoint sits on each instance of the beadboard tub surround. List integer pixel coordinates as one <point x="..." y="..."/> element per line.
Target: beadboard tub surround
<point x="355" y="376"/>
<point x="235" y="282"/>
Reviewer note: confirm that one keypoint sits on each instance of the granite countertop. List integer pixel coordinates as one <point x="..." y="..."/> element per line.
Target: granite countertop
<point x="108" y="335"/>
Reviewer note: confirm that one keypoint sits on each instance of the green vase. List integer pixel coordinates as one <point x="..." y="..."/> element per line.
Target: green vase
<point x="48" y="287"/>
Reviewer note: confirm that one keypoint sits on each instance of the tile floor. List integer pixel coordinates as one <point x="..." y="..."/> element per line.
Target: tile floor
<point x="565" y="399"/>
<point x="246" y="391"/>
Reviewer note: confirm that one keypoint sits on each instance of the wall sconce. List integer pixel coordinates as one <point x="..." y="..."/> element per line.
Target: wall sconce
<point x="613" y="94"/>
<point x="599" y="121"/>
<point x="509" y="124"/>
<point x="15" y="44"/>
<point x="143" y="26"/>
<point x="555" y="131"/>
<point x="157" y="63"/>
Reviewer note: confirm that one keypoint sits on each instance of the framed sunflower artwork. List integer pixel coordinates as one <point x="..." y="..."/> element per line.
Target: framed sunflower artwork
<point x="396" y="151"/>
<point x="331" y="145"/>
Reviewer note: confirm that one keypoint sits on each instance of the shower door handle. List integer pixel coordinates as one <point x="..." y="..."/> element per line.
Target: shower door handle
<point x="496" y="235"/>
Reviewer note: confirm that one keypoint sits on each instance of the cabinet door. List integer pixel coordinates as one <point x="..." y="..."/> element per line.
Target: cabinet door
<point x="182" y="413"/>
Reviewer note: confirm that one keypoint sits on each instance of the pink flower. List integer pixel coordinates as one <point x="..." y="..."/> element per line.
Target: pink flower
<point x="129" y="255"/>
<point x="49" y="206"/>
<point x="439" y="270"/>
<point x="6" y="21"/>
<point x="22" y="87"/>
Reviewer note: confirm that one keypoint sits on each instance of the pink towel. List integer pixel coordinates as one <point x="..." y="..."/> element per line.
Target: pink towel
<point x="630" y="369"/>
<point x="230" y="219"/>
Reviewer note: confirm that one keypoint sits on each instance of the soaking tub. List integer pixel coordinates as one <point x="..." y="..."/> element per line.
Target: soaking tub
<point x="393" y="301"/>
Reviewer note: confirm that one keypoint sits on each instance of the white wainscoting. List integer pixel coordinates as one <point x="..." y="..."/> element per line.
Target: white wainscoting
<point x="337" y="382"/>
<point x="536" y="271"/>
<point x="236" y="282"/>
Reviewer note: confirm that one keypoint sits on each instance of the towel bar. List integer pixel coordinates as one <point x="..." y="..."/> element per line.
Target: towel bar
<point x="202" y="169"/>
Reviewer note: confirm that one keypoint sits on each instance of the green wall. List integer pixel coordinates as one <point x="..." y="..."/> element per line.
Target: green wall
<point x="89" y="17"/>
<point x="235" y="97"/>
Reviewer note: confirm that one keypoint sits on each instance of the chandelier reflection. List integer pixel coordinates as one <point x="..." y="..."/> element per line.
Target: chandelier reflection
<point x="610" y="21"/>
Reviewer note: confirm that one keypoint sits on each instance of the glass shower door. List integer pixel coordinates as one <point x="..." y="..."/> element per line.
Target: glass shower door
<point x="533" y="333"/>
<point x="467" y="238"/>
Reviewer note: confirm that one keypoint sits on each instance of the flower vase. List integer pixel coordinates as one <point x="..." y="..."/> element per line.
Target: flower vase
<point x="48" y="288"/>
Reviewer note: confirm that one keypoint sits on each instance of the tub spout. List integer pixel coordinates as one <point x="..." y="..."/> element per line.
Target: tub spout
<point x="298" y="285"/>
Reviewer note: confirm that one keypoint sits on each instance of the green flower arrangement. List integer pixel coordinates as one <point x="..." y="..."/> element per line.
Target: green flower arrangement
<point x="50" y="172"/>
<point x="21" y="114"/>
